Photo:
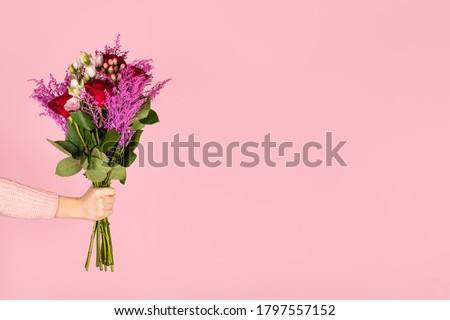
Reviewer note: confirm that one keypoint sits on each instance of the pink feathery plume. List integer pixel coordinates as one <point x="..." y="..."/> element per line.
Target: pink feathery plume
<point x="91" y="108"/>
<point x="154" y="91"/>
<point x="45" y="93"/>
<point x="114" y="50"/>
<point x="147" y="66"/>
<point x="124" y="103"/>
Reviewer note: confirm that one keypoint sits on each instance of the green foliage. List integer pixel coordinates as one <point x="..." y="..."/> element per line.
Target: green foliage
<point x="96" y="151"/>
<point x="118" y="172"/>
<point x="151" y="118"/>
<point x="73" y="137"/>
<point x="134" y="141"/>
<point x="68" y="167"/>
<point x="109" y="141"/>
<point x="144" y="110"/>
<point x="67" y="147"/>
<point x="137" y="125"/>
<point x="98" y="154"/>
<point x="128" y="159"/>
<point x="97" y="170"/>
<point x="83" y="119"/>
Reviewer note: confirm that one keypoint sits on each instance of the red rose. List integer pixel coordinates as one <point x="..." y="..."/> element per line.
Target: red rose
<point x="138" y="72"/>
<point x="97" y="90"/>
<point x="58" y="103"/>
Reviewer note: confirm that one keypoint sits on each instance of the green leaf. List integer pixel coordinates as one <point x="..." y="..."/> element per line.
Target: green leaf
<point x="84" y="162"/>
<point x="137" y="125"/>
<point x="129" y="155"/>
<point x="88" y="138"/>
<point x="118" y="172"/>
<point x="97" y="170"/>
<point x="94" y="139"/>
<point x="134" y="141"/>
<point x="67" y="147"/>
<point x="144" y="110"/>
<point x="72" y="136"/>
<point x="128" y="159"/>
<point x="68" y="167"/>
<point x="151" y="118"/>
<point x="98" y="154"/>
<point x="109" y="141"/>
<point x="101" y="134"/>
<point x="83" y="119"/>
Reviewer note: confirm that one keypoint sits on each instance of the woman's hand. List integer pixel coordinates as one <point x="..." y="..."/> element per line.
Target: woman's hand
<point x="95" y="204"/>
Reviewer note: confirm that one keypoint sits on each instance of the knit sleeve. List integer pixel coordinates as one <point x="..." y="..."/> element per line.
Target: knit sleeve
<point x="21" y="201"/>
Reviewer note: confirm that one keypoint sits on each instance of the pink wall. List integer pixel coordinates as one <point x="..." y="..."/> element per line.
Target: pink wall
<point x="375" y="73"/>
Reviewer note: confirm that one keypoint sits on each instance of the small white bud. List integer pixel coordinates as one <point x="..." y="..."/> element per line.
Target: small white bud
<point x="85" y="58"/>
<point x="90" y="71"/>
<point x="76" y="63"/>
<point x="74" y="83"/>
<point x="98" y="61"/>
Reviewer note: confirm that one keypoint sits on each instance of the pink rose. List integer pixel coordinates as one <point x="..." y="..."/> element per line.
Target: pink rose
<point x="72" y="104"/>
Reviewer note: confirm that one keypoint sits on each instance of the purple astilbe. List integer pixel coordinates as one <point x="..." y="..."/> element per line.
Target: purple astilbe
<point x="124" y="103"/>
<point x="147" y="66"/>
<point x="45" y="93"/>
<point x="154" y="91"/>
<point x="88" y="105"/>
<point x="116" y="50"/>
<point x="144" y="64"/>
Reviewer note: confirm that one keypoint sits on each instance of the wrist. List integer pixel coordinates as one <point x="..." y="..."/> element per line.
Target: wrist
<point x="68" y="208"/>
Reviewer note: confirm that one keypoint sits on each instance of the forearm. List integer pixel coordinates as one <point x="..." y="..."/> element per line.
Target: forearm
<point x="21" y="201"/>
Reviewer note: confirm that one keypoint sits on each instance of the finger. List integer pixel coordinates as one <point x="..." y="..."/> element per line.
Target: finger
<point x="100" y="215"/>
<point x="108" y="200"/>
<point x="108" y="213"/>
<point x="107" y="191"/>
<point x="108" y="206"/>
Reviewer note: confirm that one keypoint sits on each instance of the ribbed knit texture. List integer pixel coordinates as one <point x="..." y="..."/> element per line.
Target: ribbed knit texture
<point x="21" y="201"/>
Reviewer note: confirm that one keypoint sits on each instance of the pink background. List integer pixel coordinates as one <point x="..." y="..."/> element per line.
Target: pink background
<point x="375" y="73"/>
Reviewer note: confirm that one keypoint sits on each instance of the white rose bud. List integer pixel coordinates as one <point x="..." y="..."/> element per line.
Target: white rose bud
<point x="90" y="71"/>
<point x="85" y="58"/>
<point x="98" y="61"/>
<point x="76" y="63"/>
<point x="74" y="83"/>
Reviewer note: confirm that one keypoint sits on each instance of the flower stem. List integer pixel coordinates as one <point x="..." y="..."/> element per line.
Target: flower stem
<point x="96" y="135"/>
<point x="81" y="137"/>
<point x="108" y="233"/>
<point x="97" y="251"/>
<point x="88" y="259"/>
<point x="104" y="250"/>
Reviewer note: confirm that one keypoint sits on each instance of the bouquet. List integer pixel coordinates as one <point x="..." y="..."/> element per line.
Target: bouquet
<point x="102" y="106"/>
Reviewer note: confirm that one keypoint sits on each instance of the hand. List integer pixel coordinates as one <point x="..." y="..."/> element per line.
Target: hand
<point x="95" y="204"/>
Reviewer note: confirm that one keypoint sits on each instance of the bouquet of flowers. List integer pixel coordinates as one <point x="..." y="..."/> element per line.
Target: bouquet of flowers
<point x="102" y="106"/>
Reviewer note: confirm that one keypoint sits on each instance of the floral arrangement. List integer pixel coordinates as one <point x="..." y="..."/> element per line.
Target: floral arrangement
<point x="102" y="106"/>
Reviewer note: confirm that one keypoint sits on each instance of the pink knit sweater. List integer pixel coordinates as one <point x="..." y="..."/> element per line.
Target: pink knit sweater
<point x="21" y="201"/>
